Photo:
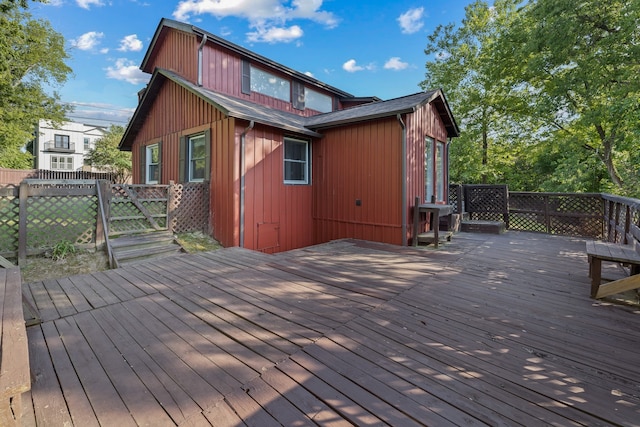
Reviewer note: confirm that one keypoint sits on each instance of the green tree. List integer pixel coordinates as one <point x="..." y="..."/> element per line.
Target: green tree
<point x="462" y="64"/>
<point x="580" y="62"/>
<point x="106" y="155"/>
<point x="32" y="57"/>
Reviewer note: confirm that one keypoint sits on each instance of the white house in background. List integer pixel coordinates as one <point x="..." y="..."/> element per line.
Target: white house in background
<point x="65" y="148"/>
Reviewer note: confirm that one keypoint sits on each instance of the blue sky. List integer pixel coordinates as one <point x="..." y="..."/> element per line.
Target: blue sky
<point x="366" y="48"/>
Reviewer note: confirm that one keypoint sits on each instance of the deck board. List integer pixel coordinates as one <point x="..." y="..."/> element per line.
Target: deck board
<point x="487" y="330"/>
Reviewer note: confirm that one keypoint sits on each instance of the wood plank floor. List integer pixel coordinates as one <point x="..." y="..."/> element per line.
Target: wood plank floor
<point x="487" y="330"/>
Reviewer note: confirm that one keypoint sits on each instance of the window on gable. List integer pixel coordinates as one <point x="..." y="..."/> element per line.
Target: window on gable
<point x="61" y="141"/>
<point x="270" y="84"/>
<point x="62" y="163"/>
<point x="197" y="157"/>
<point x="153" y="164"/>
<point x="296" y="161"/>
<point x="317" y="101"/>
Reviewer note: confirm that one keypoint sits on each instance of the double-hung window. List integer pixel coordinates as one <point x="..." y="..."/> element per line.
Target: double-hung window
<point x="296" y="161"/>
<point x="197" y="155"/>
<point x="153" y="163"/>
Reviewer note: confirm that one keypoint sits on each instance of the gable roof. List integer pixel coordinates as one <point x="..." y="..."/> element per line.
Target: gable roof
<point x="310" y="126"/>
<point x="228" y="105"/>
<point x="245" y="53"/>
<point x="392" y="107"/>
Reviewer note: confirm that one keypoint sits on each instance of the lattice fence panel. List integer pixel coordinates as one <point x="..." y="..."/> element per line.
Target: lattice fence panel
<point x="527" y="212"/>
<point x="485" y="198"/>
<point x="9" y="219"/>
<point x="454" y="195"/>
<point x="126" y="217"/>
<point x="51" y="219"/>
<point x="190" y="206"/>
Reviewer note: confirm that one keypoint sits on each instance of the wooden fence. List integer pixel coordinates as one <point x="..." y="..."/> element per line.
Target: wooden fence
<point x="16" y="176"/>
<point x="38" y="214"/>
<point x="593" y="215"/>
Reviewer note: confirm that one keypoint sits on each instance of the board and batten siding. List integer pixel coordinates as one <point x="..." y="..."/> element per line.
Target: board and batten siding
<point x="277" y="215"/>
<point x="167" y="124"/>
<point x="178" y="53"/>
<point x="361" y="162"/>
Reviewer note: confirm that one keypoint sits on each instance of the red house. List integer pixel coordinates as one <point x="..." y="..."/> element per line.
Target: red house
<point x="291" y="161"/>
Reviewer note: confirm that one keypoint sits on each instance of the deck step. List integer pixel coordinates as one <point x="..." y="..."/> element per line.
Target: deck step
<point x="479" y="226"/>
<point x="144" y="247"/>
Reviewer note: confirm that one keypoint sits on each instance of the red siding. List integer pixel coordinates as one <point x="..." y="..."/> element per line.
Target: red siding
<point x="360" y="162"/>
<point x="176" y="51"/>
<point x="167" y="124"/>
<point x="277" y="216"/>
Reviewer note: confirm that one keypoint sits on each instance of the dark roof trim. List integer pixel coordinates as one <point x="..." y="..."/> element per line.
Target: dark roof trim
<point x="389" y="108"/>
<point x="227" y="105"/>
<point x="252" y="56"/>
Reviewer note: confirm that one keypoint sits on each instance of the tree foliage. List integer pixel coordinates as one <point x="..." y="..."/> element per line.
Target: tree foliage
<point x="32" y="58"/>
<point x="547" y="94"/>
<point x="106" y="155"/>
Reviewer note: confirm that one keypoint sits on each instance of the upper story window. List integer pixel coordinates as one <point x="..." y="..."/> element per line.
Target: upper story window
<point x="296" y="161"/>
<point x="270" y="84"/>
<point x="86" y="143"/>
<point x="317" y="101"/>
<point x="61" y="141"/>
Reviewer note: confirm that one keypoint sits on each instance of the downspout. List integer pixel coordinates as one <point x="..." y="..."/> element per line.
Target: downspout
<point x="404" y="179"/>
<point x="242" y="185"/>
<point x="200" y="60"/>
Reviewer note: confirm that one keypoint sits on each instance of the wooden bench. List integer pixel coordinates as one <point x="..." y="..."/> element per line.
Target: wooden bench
<point x="14" y="354"/>
<point x="613" y="252"/>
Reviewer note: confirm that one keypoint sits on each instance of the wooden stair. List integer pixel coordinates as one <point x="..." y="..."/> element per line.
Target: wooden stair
<point x="144" y="247"/>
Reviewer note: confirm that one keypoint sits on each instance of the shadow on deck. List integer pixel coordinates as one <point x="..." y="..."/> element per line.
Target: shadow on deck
<point x="488" y="330"/>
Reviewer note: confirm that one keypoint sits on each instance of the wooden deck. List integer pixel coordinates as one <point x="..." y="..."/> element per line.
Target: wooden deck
<point x="487" y="330"/>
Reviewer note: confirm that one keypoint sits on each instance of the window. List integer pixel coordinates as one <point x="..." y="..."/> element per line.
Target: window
<point x="296" y="161"/>
<point x="62" y="163"/>
<point x="197" y="157"/>
<point x="428" y="169"/>
<point x="86" y="143"/>
<point x="269" y="84"/>
<point x="317" y="101"/>
<point x="440" y="171"/>
<point x="153" y="163"/>
<point x="61" y="141"/>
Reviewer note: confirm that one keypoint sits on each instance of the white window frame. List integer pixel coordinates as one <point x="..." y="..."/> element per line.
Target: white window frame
<point x="429" y="164"/>
<point x="62" y="163"/>
<point x="440" y="158"/>
<point x="191" y="160"/>
<point x="306" y="162"/>
<point x="149" y="163"/>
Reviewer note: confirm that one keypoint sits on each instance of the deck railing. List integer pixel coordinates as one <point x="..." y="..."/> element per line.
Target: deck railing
<point x="593" y="215"/>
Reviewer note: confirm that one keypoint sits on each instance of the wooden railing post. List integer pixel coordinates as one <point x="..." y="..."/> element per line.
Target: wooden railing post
<point x="22" y="224"/>
<point x="171" y="203"/>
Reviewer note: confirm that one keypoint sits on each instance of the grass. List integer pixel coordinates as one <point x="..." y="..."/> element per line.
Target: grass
<point x="83" y="261"/>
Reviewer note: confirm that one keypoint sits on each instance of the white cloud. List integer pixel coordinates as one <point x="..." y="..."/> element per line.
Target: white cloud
<point x="309" y="73"/>
<point x="130" y="43"/>
<point x="127" y="71"/>
<point x="411" y="20"/>
<point x="266" y="17"/>
<point x="275" y="35"/>
<point x="54" y="3"/>
<point x="395" y="64"/>
<point x="86" y="4"/>
<point x="351" y="66"/>
<point x="87" y="41"/>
